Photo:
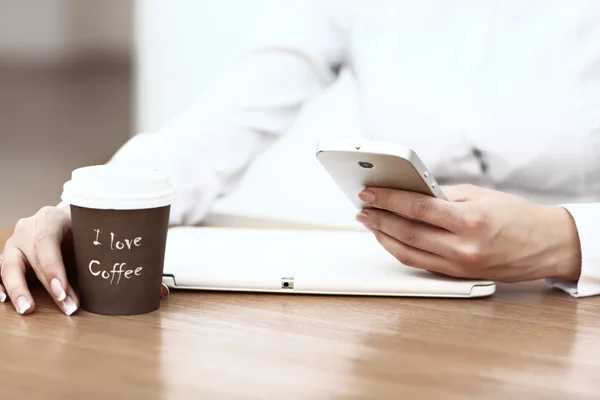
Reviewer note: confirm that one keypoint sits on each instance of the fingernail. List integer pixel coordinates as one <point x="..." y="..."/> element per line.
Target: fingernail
<point x="22" y="305"/>
<point x="2" y="296"/>
<point x="364" y="219"/>
<point x="164" y="291"/>
<point x="57" y="289"/>
<point x="68" y="306"/>
<point x="367" y="196"/>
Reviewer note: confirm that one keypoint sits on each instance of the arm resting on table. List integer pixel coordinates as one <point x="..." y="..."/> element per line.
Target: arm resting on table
<point x="206" y="149"/>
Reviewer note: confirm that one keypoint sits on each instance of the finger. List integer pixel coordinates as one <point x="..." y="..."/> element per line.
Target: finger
<point x="455" y="193"/>
<point x="48" y="265"/>
<point x="164" y="291"/>
<point x="13" y="278"/>
<point x="438" y="212"/>
<point x="3" y="296"/>
<point x="424" y="237"/>
<point x="71" y="303"/>
<point x="413" y="257"/>
<point x="464" y="192"/>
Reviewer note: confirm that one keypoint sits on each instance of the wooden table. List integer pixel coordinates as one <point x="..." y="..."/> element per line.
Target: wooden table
<point x="526" y="342"/>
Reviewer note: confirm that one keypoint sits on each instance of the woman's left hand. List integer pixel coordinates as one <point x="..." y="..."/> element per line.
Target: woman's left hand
<point x="477" y="233"/>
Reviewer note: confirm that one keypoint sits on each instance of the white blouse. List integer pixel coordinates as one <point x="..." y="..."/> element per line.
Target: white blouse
<point x="502" y="94"/>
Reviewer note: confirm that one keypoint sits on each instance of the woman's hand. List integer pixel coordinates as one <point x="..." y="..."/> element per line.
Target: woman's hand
<point x="38" y="244"/>
<point x="479" y="233"/>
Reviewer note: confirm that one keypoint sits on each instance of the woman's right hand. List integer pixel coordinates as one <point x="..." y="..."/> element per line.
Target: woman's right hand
<point x="38" y="244"/>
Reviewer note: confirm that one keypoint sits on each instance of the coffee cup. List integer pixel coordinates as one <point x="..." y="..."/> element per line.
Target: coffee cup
<point x="120" y="219"/>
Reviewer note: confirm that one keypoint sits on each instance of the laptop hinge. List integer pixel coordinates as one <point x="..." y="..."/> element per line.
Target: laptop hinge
<point x="169" y="280"/>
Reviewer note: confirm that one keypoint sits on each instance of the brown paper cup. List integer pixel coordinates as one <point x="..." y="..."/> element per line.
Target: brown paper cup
<point x="119" y="257"/>
<point x="119" y="236"/>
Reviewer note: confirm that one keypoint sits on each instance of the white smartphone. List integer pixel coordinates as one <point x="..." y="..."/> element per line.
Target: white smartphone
<point x="354" y="166"/>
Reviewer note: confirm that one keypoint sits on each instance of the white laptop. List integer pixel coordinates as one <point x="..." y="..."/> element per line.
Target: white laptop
<point x="299" y="262"/>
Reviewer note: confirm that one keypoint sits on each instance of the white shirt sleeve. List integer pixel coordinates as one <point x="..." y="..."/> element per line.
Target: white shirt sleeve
<point x="587" y="220"/>
<point x="292" y="57"/>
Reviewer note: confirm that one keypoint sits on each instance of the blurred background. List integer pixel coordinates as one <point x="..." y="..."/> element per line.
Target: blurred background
<point x="78" y="78"/>
<point x="65" y="94"/>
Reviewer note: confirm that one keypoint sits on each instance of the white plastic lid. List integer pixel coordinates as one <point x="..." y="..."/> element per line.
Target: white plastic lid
<point x="118" y="188"/>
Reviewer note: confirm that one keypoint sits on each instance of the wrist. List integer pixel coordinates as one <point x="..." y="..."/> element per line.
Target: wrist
<point x="563" y="255"/>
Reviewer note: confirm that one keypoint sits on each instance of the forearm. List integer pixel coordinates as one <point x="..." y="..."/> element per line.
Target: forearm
<point x="199" y="176"/>
<point x="207" y="148"/>
<point x="201" y="169"/>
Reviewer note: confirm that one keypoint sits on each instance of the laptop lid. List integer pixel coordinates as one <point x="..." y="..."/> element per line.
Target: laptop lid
<point x="299" y="261"/>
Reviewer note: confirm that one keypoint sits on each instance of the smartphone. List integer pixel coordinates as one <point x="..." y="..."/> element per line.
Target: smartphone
<point x="355" y="166"/>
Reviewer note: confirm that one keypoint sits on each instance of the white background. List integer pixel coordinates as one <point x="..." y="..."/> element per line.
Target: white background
<point x="180" y="44"/>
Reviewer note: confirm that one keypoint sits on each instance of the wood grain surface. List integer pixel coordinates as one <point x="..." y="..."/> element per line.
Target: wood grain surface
<point x="526" y="342"/>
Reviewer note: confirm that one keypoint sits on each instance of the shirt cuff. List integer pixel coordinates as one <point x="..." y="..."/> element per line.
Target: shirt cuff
<point x="587" y="221"/>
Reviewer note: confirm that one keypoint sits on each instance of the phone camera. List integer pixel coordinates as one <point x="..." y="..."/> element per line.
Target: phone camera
<point x="366" y="164"/>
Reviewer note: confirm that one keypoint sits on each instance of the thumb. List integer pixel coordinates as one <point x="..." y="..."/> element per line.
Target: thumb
<point x="462" y="193"/>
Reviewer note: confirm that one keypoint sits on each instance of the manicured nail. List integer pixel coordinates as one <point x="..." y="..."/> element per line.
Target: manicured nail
<point x="364" y="219"/>
<point x="22" y="305"/>
<point x="57" y="290"/>
<point x="2" y="296"/>
<point x="367" y="196"/>
<point x="68" y="305"/>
